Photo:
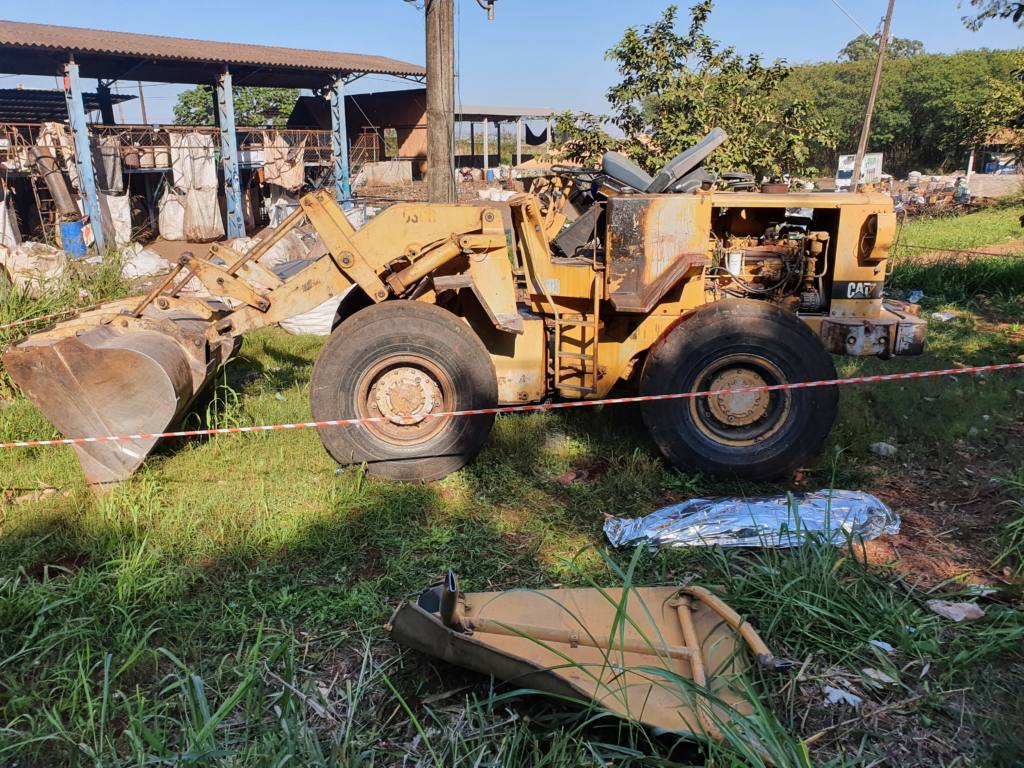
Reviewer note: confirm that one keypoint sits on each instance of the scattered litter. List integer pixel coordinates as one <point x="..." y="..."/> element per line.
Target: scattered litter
<point x="980" y="590"/>
<point x="943" y="317"/>
<point x="497" y="195"/>
<point x="279" y="396"/>
<point x="887" y="450"/>
<point x="877" y="676"/>
<point x="973" y="432"/>
<point x="835" y="696"/>
<point x="137" y="262"/>
<point x="32" y="266"/>
<point x="593" y="471"/>
<point x="881" y="645"/>
<point x="956" y="611"/>
<point x="768" y="521"/>
<point x="914" y="297"/>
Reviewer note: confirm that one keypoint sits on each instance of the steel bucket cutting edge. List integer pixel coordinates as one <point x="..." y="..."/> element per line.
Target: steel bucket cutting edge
<point x="132" y="376"/>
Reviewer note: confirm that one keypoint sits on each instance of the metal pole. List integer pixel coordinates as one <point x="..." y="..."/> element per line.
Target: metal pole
<point x="339" y="142"/>
<point x="83" y="153"/>
<point x="440" y="100"/>
<point x="865" y="130"/>
<point x="497" y="124"/>
<point x="229" y="155"/>
<point x="120" y="106"/>
<point x="519" y="141"/>
<point x="472" y="145"/>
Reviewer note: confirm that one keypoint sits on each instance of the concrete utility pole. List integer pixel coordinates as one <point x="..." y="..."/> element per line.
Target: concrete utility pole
<point x="440" y="101"/>
<point x="865" y="130"/>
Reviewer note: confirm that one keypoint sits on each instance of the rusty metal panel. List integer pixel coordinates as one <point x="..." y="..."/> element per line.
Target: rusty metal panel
<point x="653" y="241"/>
<point x="890" y="333"/>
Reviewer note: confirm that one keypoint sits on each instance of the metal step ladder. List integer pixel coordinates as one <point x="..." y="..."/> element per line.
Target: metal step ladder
<point x="576" y="344"/>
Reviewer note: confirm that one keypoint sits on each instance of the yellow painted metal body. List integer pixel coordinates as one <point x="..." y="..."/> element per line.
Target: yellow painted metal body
<point x="553" y="325"/>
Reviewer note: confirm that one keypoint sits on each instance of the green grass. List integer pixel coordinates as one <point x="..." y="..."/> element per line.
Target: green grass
<point x="993" y="226"/>
<point x="225" y="606"/>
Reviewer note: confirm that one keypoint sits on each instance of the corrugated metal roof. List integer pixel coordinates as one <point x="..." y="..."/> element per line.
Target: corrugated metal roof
<point x="49" y="37"/>
<point x="32" y="105"/>
<point x="478" y="112"/>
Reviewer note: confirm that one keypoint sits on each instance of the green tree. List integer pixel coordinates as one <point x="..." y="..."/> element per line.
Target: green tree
<point x="866" y="47"/>
<point x="927" y="107"/>
<point x="581" y="137"/>
<point x="674" y="88"/>
<point x="994" y="9"/>
<point x="253" y="106"/>
<point x="1001" y="113"/>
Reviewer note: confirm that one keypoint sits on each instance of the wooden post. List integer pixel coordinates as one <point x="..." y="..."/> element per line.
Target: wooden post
<point x="440" y="101"/>
<point x="487" y="147"/>
<point x="865" y="130"/>
<point x="142" y="104"/>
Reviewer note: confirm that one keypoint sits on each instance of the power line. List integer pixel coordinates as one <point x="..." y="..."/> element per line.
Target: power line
<point x="850" y="17"/>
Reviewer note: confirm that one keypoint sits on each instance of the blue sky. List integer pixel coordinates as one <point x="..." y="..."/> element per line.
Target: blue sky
<point x="543" y="53"/>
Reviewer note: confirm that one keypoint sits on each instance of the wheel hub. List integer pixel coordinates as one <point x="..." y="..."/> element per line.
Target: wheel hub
<point x="406" y="395"/>
<point x="738" y="409"/>
<point x="739" y="419"/>
<point x="405" y="390"/>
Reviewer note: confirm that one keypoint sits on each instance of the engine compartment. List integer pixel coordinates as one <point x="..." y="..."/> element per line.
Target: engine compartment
<point x="785" y="264"/>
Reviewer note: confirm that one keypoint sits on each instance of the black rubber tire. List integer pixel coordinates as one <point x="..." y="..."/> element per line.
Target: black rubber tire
<point x="404" y="328"/>
<point x="728" y="329"/>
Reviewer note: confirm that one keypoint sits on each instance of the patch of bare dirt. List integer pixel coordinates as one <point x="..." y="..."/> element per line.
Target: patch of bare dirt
<point x="952" y="508"/>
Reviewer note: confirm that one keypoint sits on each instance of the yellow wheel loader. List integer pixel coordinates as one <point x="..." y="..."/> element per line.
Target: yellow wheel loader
<point x="667" y="284"/>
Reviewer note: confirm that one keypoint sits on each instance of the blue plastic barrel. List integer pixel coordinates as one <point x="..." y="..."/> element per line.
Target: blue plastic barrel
<point x="490" y="174"/>
<point x="71" y="236"/>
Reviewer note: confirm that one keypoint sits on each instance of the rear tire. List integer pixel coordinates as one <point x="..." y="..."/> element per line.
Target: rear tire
<point x="404" y="359"/>
<point x="755" y="436"/>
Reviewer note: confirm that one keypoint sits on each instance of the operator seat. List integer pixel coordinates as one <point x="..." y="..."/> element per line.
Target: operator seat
<point x="680" y="174"/>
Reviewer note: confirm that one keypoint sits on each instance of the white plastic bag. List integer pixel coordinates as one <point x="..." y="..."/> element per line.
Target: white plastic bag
<point x="318" y="321"/>
<point x="137" y="261"/>
<point x="289" y="248"/>
<point x="119" y="210"/>
<point x="202" y="216"/>
<point x="33" y="267"/>
<point x="171" y="215"/>
<point x="9" y="235"/>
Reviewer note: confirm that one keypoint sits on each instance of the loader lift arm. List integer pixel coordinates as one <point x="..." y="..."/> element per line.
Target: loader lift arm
<point x="134" y="366"/>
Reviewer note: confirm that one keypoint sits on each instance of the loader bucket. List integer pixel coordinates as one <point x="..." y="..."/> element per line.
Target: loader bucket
<point x="114" y="374"/>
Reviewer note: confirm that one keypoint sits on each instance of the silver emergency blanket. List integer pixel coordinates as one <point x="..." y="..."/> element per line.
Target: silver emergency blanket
<point x="786" y="520"/>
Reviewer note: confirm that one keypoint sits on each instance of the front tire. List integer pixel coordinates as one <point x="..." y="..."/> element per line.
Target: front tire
<point x="754" y="436"/>
<point x="403" y="360"/>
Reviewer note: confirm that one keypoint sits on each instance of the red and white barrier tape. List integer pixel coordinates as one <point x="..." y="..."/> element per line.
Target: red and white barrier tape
<point x="521" y="408"/>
